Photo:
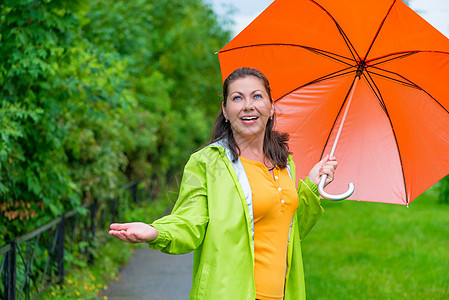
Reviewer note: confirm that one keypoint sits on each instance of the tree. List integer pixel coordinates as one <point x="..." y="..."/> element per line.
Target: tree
<point x="94" y="94"/>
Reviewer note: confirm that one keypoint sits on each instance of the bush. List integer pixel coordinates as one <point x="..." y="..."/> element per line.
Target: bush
<point x="94" y="94"/>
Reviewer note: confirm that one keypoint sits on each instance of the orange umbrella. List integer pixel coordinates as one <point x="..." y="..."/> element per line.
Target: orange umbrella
<point x="320" y="55"/>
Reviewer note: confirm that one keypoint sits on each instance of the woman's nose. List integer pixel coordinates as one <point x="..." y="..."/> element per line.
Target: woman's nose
<point x="249" y="104"/>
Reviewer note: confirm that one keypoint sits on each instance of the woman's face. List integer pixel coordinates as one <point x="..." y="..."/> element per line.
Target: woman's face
<point x="248" y="108"/>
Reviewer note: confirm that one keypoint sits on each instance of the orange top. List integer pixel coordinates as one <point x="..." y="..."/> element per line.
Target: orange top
<point x="274" y="202"/>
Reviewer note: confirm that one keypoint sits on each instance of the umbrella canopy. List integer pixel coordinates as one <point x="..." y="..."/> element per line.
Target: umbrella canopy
<point x="395" y="141"/>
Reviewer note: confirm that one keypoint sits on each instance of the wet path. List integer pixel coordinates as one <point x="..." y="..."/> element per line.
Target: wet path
<point x="153" y="275"/>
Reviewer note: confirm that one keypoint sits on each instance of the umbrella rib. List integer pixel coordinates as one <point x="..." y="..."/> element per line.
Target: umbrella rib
<point x="401" y="55"/>
<point x="417" y="87"/>
<point x="391" y="57"/>
<point x="328" y="54"/>
<point x="348" y="42"/>
<point x="375" y="89"/>
<point x="406" y="81"/>
<point x="326" y="77"/>
<point x="384" y="108"/>
<point x="332" y="55"/>
<point x="397" y="80"/>
<point x="378" y="30"/>
<point x="351" y="47"/>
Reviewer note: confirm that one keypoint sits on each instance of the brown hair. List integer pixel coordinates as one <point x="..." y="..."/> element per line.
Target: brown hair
<point x="275" y="144"/>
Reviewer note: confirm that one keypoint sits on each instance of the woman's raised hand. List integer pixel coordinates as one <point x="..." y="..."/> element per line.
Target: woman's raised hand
<point x="136" y="232"/>
<point x="326" y="166"/>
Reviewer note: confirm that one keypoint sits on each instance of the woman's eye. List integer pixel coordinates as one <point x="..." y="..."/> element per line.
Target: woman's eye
<point x="257" y="96"/>
<point x="237" y="98"/>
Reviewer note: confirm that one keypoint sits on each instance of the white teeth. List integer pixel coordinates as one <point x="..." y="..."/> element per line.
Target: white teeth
<point x="249" y="118"/>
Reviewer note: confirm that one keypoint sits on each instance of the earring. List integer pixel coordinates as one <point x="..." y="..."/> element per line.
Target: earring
<point x="271" y="117"/>
<point x="226" y="120"/>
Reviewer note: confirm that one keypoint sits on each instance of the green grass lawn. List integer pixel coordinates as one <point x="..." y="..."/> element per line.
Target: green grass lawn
<point x="362" y="250"/>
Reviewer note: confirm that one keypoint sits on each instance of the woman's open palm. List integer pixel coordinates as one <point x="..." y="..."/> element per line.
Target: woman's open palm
<point x="136" y="232"/>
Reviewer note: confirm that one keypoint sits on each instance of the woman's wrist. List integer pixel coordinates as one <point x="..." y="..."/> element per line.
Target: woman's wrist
<point x="153" y="234"/>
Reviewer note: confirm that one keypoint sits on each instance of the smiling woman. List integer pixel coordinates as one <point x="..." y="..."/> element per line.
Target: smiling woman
<point x="238" y="207"/>
<point x="248" y="108"/>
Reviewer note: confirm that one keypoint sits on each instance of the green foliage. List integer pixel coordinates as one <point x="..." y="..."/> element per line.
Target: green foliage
<point x="94" y="94"/>
<point x="33" y="169"/>
<point x="172" y="71"/>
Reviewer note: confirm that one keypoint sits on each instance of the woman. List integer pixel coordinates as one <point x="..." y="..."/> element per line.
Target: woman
<point x="238" y="208"/>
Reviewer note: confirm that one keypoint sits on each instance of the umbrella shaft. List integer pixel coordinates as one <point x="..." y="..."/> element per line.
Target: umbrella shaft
<point x="343" y="119"/>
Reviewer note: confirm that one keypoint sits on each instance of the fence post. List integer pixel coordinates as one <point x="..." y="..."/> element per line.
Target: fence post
<point x="10" y="272"/>
<point x="60" y="250"/>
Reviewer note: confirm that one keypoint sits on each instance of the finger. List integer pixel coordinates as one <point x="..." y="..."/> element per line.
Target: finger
<point x="328" y="166"/>
<point x="328" y="170"/>
<point x="331" y="165"/>
<point x="331" y="161"/>
<point x="324" y="160"/>
<point x="119" y="226"/>
<point x="134" y="239"/>
<point x="118" y="235"/>
<point x="127" y="237"/>
<point x="329" y="173"/>
<point x="131" y="237"/>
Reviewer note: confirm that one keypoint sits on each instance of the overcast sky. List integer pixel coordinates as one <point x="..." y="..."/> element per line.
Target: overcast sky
<point x="436" y="12"/>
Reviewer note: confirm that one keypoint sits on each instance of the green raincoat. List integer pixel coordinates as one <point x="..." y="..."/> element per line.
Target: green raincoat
<point x="213" y="218"/>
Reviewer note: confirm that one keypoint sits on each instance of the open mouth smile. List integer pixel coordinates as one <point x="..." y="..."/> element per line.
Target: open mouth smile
<point x="249" y="119"/>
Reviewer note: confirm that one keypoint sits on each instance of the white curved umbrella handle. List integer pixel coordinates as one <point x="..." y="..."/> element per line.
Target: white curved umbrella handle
<point x="339" y="197"/>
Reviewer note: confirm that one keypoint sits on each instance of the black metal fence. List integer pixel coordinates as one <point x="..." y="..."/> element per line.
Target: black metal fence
<point x="33" y="262"/>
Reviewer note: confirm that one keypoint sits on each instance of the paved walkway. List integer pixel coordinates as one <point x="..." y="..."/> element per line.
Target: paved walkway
<point x="153" y="275"/>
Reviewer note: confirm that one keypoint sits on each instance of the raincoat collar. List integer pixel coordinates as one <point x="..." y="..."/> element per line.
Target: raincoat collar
<point x="243" y="178"/>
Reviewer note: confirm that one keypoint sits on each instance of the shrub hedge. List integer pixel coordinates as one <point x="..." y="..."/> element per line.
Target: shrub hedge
<point x="94" y="94"/>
